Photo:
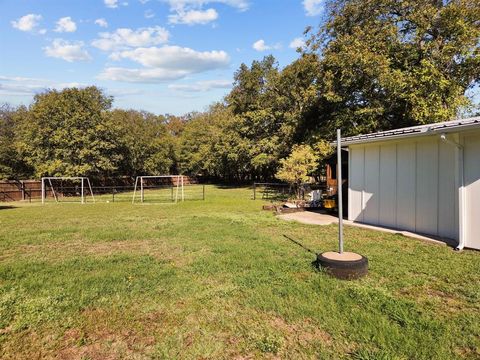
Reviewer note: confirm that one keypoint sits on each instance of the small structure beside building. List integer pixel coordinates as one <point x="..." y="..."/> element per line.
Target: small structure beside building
<point x="424" y="179"/>
<point x="331" y="183"/>
<point x="331" y="172"/>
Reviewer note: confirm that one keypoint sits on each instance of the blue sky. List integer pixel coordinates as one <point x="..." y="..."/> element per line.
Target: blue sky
<point x="163" y="56"/>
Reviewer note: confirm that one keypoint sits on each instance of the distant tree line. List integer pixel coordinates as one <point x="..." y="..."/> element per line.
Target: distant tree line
<point x="371" y="65"/>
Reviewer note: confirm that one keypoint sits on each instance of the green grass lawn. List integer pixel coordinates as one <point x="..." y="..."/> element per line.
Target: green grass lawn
<point x="218" y="279"/>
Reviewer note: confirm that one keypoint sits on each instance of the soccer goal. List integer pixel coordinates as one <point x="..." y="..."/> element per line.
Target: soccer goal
<point x="67" y="189"/>
<point x="163" y="189"/>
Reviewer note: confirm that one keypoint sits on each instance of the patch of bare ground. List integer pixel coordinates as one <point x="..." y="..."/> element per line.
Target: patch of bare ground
<point x="110" y="336"/>
<point x="102" y="335"/>
<point x="301" y="333"/>
<point x="468" y="353"/>
<point x="103" y="344"/>
<point x="447" y="302"/>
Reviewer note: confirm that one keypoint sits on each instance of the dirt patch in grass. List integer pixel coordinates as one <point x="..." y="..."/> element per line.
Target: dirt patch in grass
<point x="301" y="333"/>
<point x="447" y="303"/>
<point x="111" y="336"/>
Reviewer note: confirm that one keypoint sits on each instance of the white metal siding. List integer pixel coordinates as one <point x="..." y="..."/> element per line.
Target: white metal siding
<point x="427" y="187"/>
<point x="405" y="184"/>
<point x="406" y="189"/>
<point x="388" y="181"/>
<point x="447" y="214"/>
<point x="472" y="186"/>
<point x="355" y="183"/>
<point x="371" y="186"/>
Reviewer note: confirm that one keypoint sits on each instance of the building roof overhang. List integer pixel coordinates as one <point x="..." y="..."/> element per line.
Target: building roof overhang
<point x="414" y="131"/>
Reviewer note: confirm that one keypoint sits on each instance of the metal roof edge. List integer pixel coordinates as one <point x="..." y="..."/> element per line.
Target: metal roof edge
<point x="414" y="131"/>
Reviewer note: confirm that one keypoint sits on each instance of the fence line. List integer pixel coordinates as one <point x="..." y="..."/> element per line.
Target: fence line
<point x="282" y="191"/>
<point x="31" y="191"/>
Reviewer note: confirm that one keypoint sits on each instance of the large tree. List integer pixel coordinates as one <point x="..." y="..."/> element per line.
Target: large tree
<point x="145" y="142"/>
<point x="69" y="133"/>
<point x="12" y="165"/>
<point x="393" y="63"/>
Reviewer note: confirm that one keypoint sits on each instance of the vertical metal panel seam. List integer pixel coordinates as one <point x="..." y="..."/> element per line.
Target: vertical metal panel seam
<point x="379" y="183"/>
<point x="396" y="183"/>
<point x="363" y="186"/>
<point x="415" y="189"/>
<point x="349" y="195"/>
<point x="438" y="187"/>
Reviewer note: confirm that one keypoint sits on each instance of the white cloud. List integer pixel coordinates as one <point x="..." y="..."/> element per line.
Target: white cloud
<point x="101" y="22"/>
<point x="193" y="17"/>
<point x="297" y="43"/>
<point x="261" y="46"/>
<point x="165" y="63"/>
<point x="313" y="7"/>
<point x="27" y="23"/>
<point x="241" y="5"/>
<point x="124" y="92"/>
<point x="66" y="24"/>
<point x="124" y="38"/>
<point x="140" y="75"/>
<point x="149" y="14"/>
<point x="68" y="51"/>
<point x="112" y="4"/>
<point x="202" y="86"/>
<point x="176" y="57"/>
<point x="21" y="86"/>
<point x="191" y="12"/>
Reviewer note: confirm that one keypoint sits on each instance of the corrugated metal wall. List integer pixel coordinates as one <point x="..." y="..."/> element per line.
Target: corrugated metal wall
<point x="472" y="185"/>
<point x="407" y="184"/>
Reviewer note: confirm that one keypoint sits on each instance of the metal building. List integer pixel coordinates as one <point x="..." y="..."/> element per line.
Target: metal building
<point x="424" y="179"/>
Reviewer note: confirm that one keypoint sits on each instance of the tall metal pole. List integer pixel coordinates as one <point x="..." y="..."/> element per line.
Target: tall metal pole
<point x="339" y="191"/>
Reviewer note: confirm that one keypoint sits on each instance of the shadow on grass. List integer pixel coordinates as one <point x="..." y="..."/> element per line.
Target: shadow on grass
<point x="6" y="207"/>
<point x="231" y="186"/>
<point x="298" y="243"/>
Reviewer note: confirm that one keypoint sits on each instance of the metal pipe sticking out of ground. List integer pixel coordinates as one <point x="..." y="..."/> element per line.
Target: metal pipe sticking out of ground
<point x="342" y="265"/>
<point x="339" y="191"/>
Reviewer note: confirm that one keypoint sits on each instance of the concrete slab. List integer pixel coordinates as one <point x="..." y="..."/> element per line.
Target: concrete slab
<point x="320" y="218"/>
<point x="310" y="217"/>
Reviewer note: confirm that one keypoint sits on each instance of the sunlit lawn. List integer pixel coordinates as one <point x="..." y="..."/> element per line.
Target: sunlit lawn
<point x="218" y="279"/>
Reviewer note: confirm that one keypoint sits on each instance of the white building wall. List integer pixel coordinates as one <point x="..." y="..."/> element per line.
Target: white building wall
<point x="387" y="189"/>
<point x="472" y="188"/>
<point x="405" y="184"/>
<point x="356" y="180"/>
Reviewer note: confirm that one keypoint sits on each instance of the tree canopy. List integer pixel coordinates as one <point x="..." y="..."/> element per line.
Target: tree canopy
<point x="371" y="65"/>
<point x="393" y="63"/>
<point x="69" y="133"/>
